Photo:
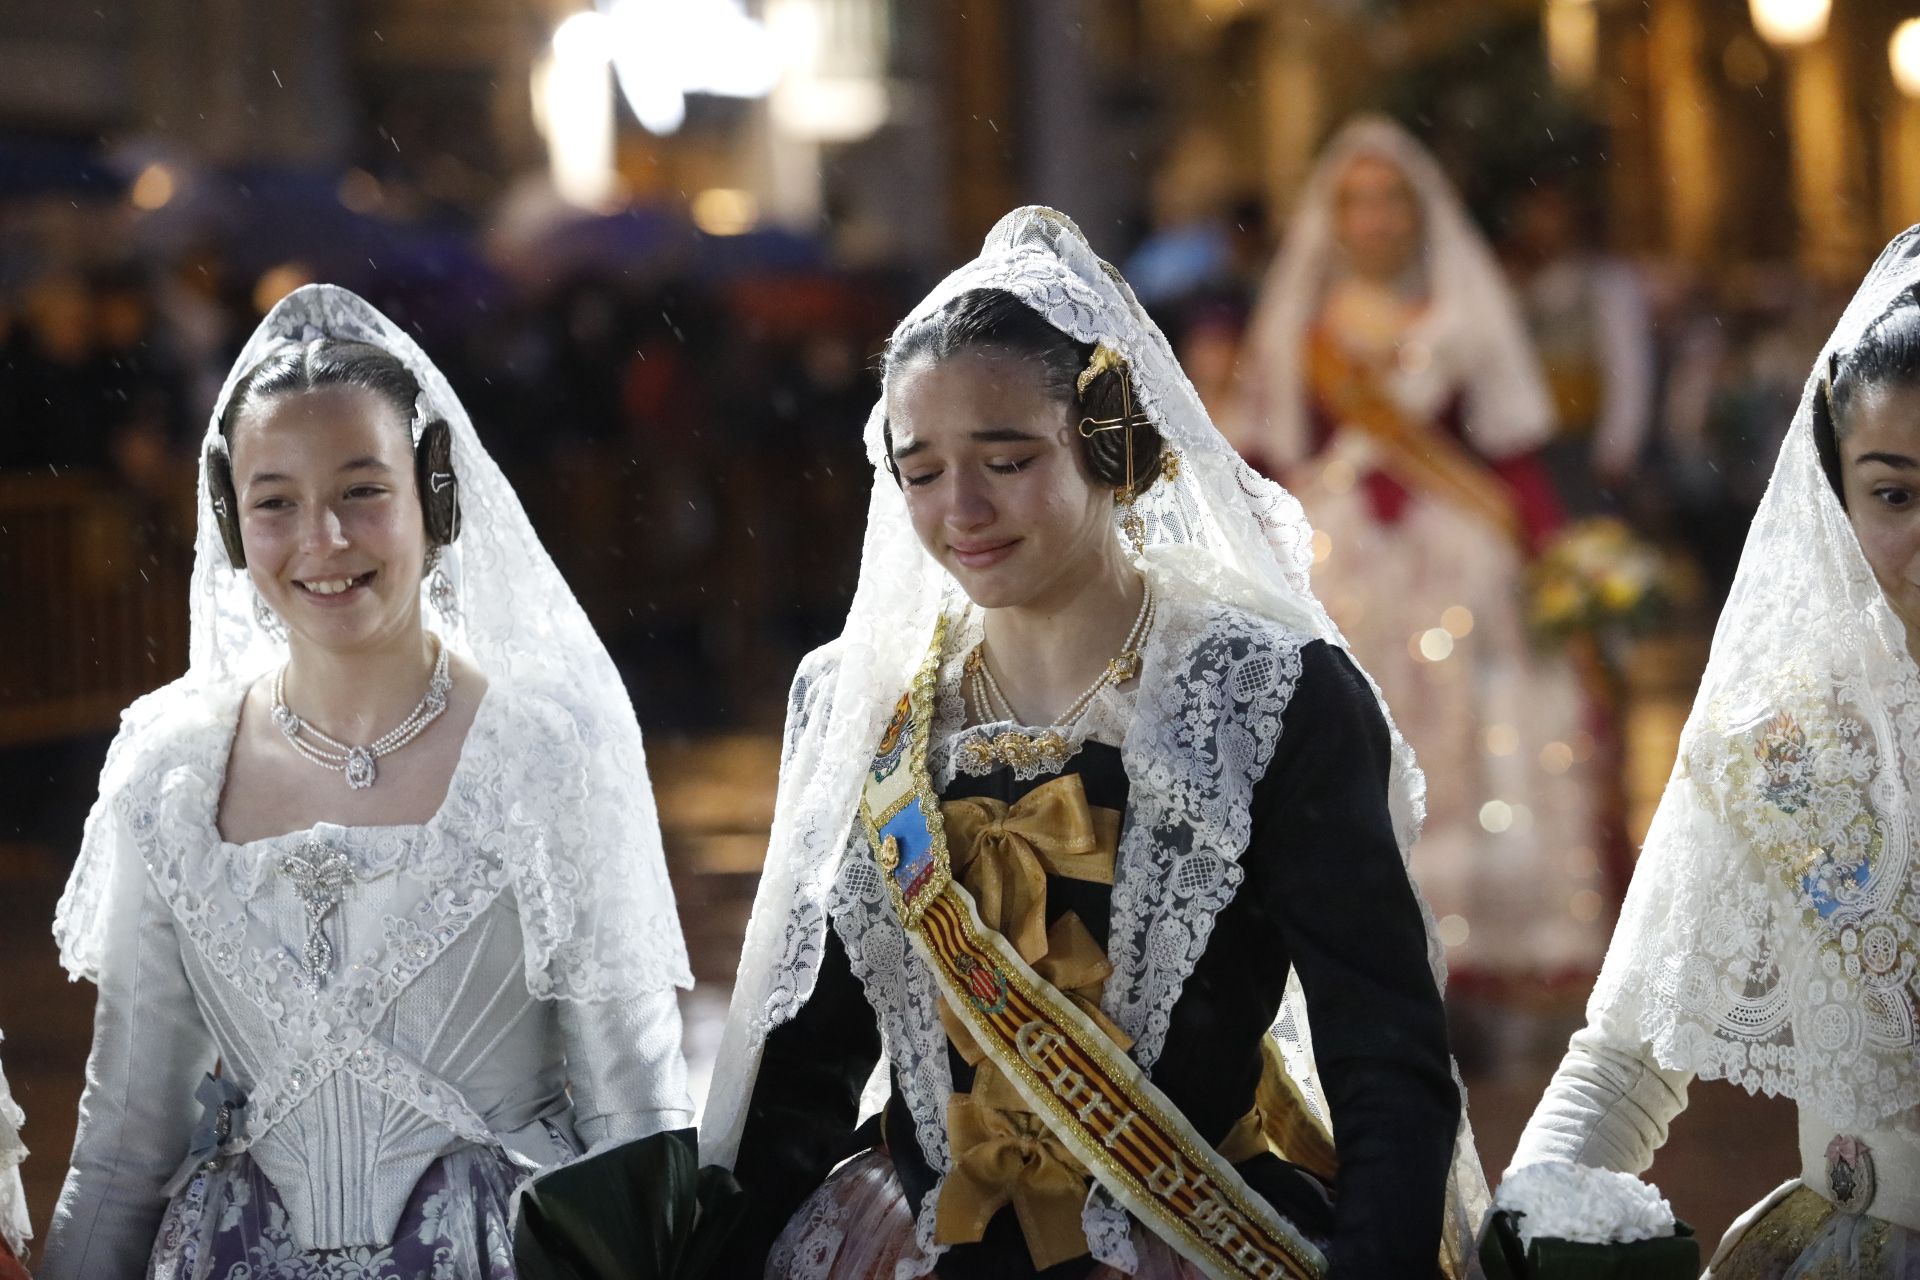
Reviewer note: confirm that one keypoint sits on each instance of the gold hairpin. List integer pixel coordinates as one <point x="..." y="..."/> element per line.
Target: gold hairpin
<point x="1103" y="360"/>
<point x="1091" y="427"/>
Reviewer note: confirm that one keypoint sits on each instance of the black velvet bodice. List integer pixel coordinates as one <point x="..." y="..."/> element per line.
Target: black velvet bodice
<point x="1324" y="893"/>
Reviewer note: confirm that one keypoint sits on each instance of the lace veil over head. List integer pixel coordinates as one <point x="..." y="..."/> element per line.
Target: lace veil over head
<point x="1771" y="936"/>
<point x="14" y="1227"/>
<point x="1216" y="528"/>
<point x="512" y="614"/>
<point x="1472" y="310"/>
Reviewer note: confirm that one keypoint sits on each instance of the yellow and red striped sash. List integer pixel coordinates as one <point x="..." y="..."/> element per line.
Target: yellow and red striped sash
<point x="1092" y="1096"/>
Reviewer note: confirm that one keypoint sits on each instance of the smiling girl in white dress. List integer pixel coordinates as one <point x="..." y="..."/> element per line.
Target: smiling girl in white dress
<point x="399" y="890"/>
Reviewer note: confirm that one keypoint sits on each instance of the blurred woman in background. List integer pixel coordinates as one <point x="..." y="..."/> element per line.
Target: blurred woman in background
<point x="1388" y="380"/>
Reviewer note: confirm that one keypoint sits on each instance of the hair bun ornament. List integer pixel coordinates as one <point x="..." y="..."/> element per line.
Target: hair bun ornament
<point x="225" y="500"/>
<point x="1104" y="360"/>
<point x="439" y="486"/>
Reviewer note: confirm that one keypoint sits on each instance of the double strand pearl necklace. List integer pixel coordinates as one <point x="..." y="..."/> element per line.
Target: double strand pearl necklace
<point x="357" y="763"/>
<point x="1050" y="748"/>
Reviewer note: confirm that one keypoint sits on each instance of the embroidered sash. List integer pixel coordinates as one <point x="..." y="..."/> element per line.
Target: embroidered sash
<point x="1091" y="1095"/>
<point x="1425" y="459"/>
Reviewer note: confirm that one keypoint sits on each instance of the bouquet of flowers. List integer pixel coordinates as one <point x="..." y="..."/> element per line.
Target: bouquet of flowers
<point x="1597" y="575"/>
<point x="1562" y="1221"/>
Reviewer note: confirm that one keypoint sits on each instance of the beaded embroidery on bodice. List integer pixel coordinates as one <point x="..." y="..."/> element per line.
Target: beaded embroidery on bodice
<point x="425" y="992"/>
<point x="1206" y="717"/>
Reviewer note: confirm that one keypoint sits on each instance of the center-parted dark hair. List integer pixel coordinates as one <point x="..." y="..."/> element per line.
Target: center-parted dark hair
<point x="323" y="362"/>
<point x="1886" y="355"/>
<point x="995" y="322"/>
<point x="297" y="368"/>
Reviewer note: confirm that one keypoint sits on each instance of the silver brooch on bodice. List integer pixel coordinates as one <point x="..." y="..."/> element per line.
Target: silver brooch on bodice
<point x="357" y="763"/>
<point x="1850" y="1176"/>
<point x="320" y="874"/>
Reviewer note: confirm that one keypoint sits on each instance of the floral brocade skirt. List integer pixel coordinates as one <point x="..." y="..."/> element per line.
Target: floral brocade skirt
<point x="229" y="1224"/>
<point x="858" y="1226"/>
<point x="1799" y="1234"/>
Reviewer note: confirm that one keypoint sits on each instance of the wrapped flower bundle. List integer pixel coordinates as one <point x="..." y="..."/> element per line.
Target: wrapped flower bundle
<point x="1559" y="1221"/>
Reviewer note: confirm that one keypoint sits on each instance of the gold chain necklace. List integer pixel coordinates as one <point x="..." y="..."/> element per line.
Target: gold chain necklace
<point x="1050" y="748"/>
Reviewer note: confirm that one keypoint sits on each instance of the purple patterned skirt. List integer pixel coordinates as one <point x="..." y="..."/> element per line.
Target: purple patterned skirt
<point x="857" y="1226"/>
<point x="229" y="1224"/>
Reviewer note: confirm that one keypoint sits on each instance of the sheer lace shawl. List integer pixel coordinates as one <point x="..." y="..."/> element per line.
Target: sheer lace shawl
<point x="1230" y="553"/>
<point x="14" y="1227"/>
<point x="519" y="623"/>
<point x="429" y="1029"/>
<point x="1214" y="687"/>
<point x="1771" y="935"/>
<point x="1473" y="327"/>
<point x="510" y="824"/>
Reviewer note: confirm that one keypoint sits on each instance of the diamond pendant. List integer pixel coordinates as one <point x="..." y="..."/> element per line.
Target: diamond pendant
<point x="360" y="770"/>
<point x="320" y="874"/>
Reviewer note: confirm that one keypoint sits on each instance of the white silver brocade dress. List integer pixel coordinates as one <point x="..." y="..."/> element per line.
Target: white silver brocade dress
<point x="432" y="1022"/>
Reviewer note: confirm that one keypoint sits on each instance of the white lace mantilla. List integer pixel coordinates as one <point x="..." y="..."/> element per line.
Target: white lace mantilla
<point x="505" y="607"/>
<point x="14" y="1227"/>
<point x="1222" y="543"/>
<point x="1790" y="960"/>
<point x="1771" y="936"/>
<point x="460" y="963"/>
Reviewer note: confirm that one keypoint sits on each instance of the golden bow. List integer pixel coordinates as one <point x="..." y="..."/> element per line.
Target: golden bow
<point x="1002" y="853"/>
<point x="1004" y="1154"/>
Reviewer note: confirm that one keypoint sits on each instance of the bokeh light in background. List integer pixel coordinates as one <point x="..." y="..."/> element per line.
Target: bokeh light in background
<point x="1791" y="22"/>
<point x="1903" y="55"/>
<point x="657" y="245"/>
<point x="1572" y="30"/>
<point x="573" y="106"/>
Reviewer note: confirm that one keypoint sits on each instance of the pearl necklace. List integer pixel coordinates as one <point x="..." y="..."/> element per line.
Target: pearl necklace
<point x="358" y="762"/>
<point x="1050" y="748"/>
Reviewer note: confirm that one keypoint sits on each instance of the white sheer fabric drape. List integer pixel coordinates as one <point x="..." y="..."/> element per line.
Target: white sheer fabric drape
<point x="1218" y="534"/>
<point x="14" y="1228"/>
<point x="518" y="622"/>
<point x="1771" y="936"/>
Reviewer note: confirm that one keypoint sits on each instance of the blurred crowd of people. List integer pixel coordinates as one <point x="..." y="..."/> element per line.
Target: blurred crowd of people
<point x="689" y="443"/>
<point x="686" y="426"/>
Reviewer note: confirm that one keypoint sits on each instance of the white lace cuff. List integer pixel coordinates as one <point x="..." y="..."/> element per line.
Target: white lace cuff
<point x="1555" y="1200"/>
